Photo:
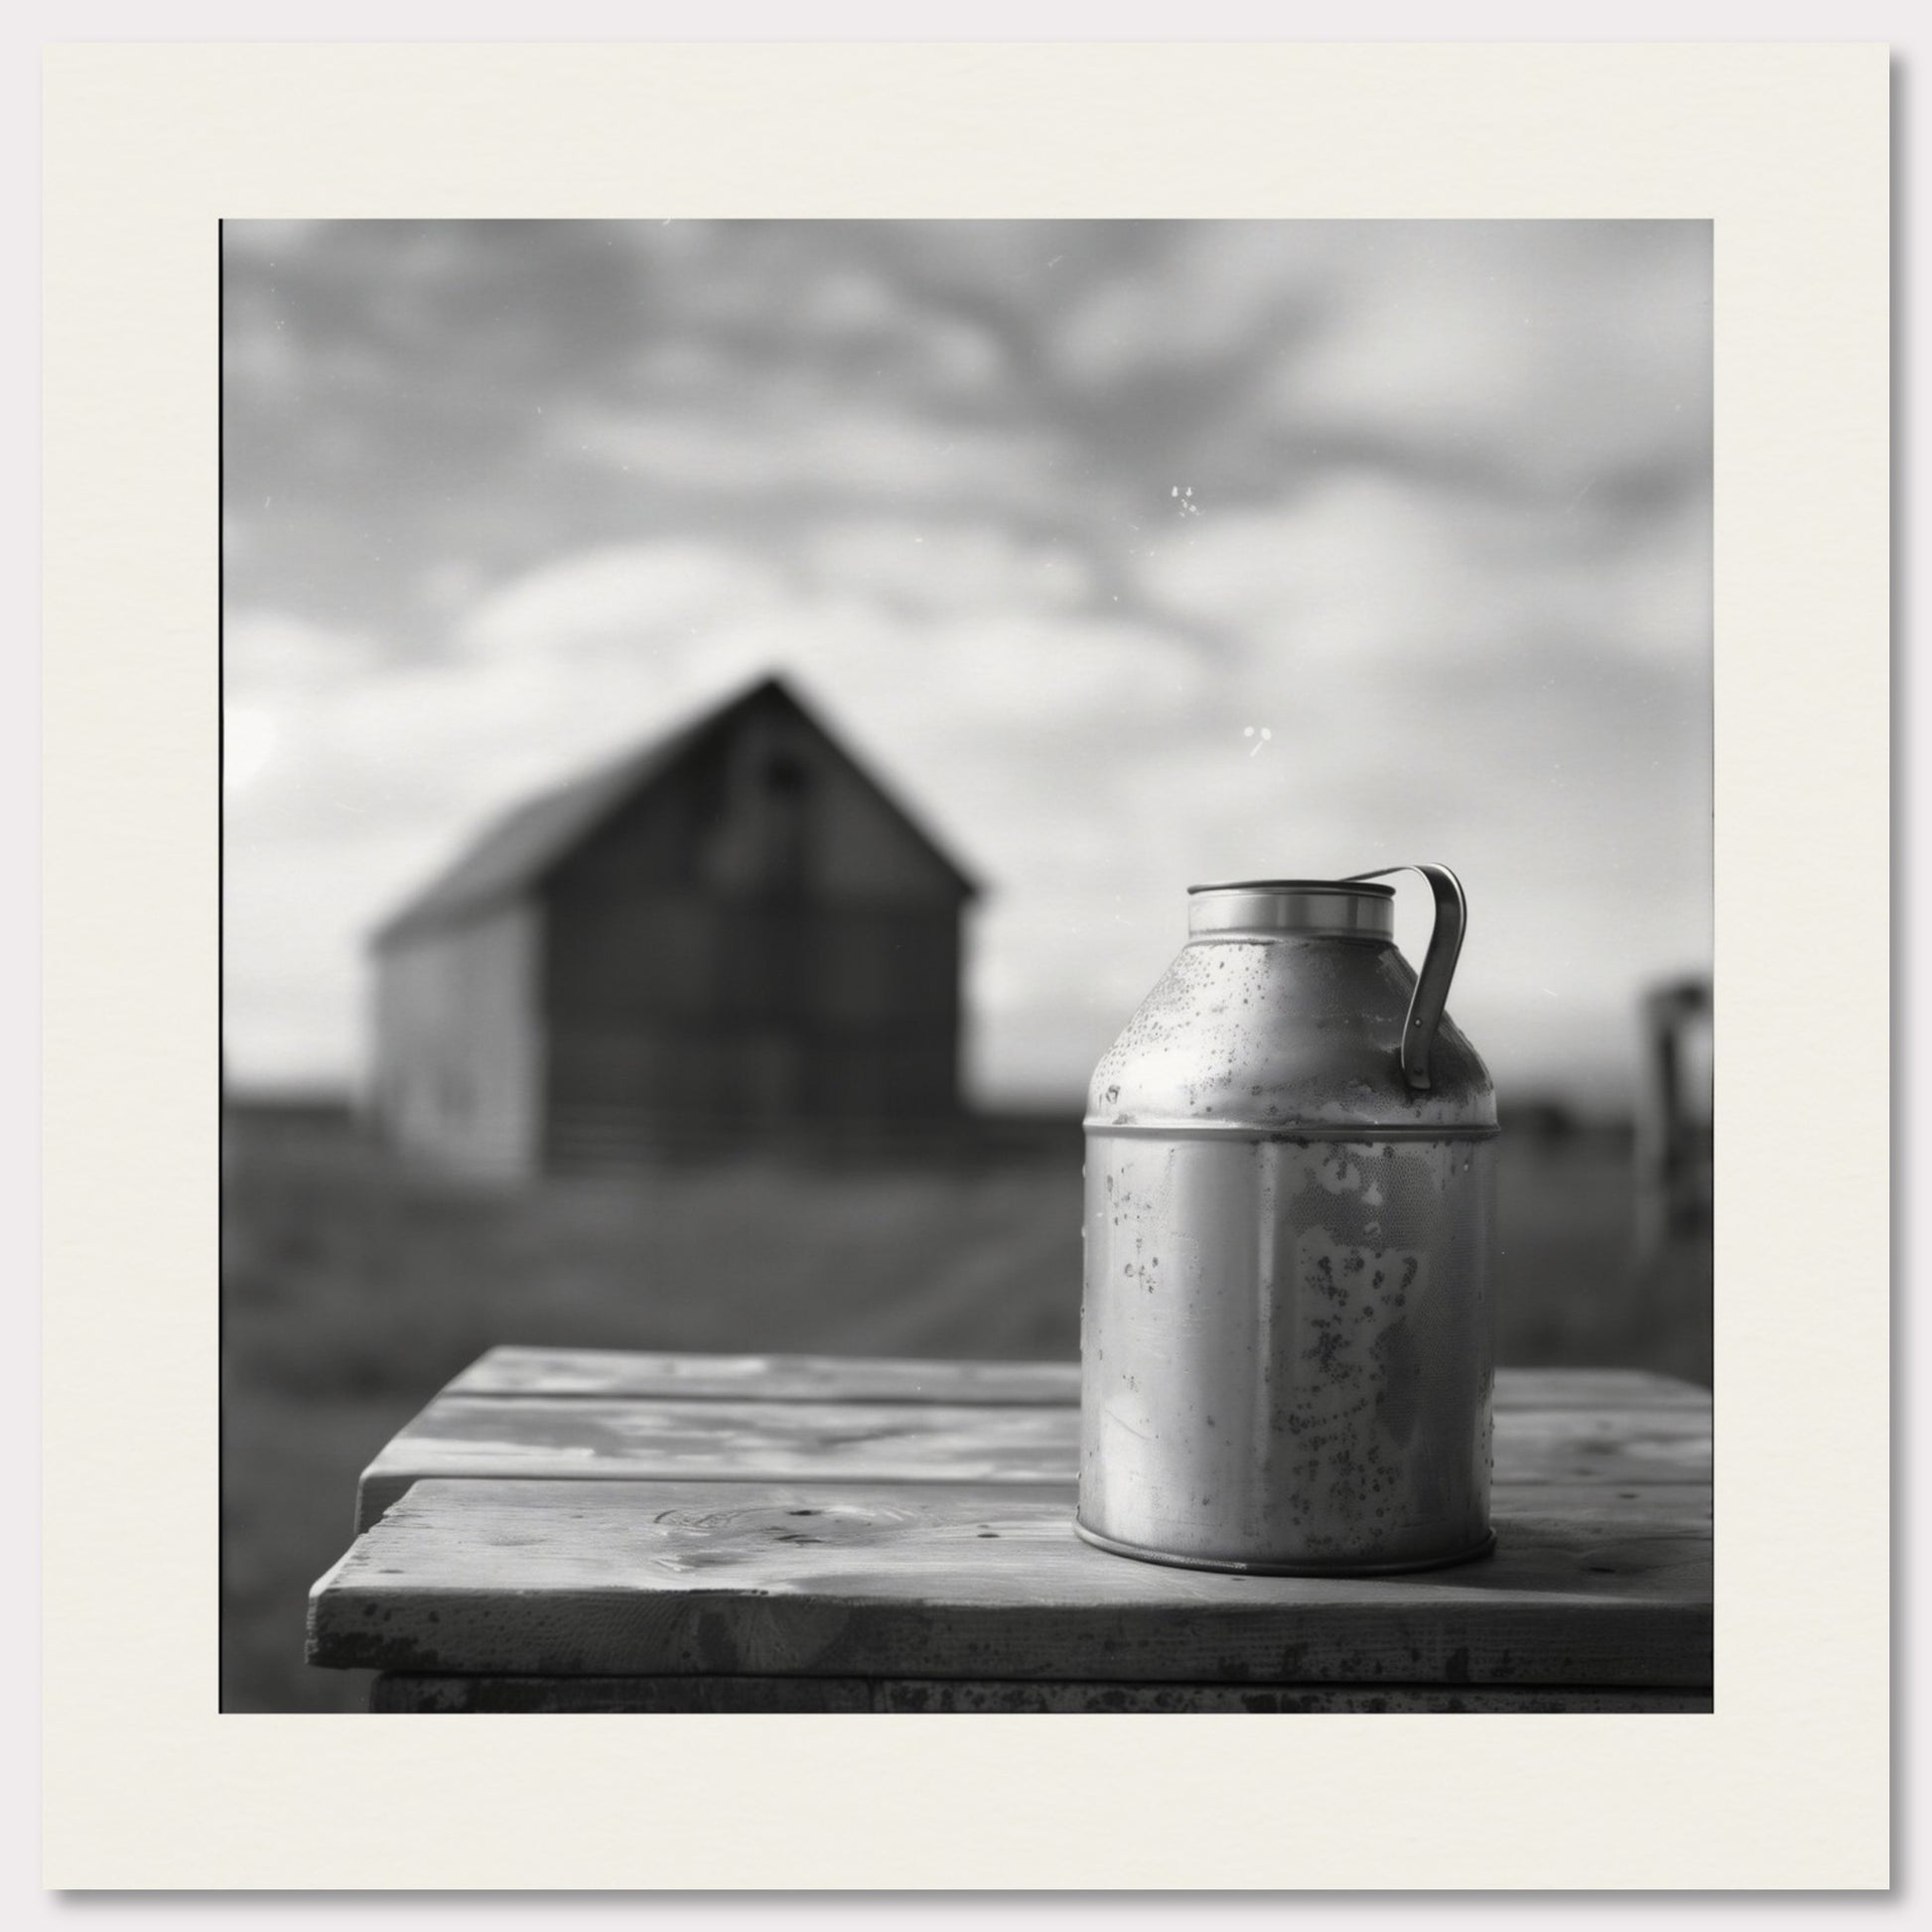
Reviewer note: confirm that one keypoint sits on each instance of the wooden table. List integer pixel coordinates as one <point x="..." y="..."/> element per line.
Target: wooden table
<point x="578" y="1531"/>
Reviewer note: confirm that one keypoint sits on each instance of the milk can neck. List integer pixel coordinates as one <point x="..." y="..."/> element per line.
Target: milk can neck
<point x="1293" y="907"/>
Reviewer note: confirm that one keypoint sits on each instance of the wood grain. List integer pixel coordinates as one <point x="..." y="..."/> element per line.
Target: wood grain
<point x="615" y="1373"/>
<point x="399" y="1691"/>
<point x="618" y="1373"/>
<point x="985" y="1582"/>
<point x="588" y="1438"/>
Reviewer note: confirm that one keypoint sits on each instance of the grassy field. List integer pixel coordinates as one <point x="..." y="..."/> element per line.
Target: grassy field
<point x="353" y="1287"/>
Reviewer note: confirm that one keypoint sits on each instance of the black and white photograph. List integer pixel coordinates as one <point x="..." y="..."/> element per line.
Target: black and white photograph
<point x="966" y="966"/>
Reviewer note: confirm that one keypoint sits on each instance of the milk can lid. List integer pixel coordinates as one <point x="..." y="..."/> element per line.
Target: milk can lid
<point x="1297" y="885"/>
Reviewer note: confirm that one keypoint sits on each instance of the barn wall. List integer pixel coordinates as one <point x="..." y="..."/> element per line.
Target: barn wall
<point x="719" y="954"/>
<point x="699" y="1007"/>
<point x="458" y="1047"/>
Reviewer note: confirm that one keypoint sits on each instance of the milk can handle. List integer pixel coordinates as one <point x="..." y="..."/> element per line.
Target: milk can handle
<point x="1431" y="996"/>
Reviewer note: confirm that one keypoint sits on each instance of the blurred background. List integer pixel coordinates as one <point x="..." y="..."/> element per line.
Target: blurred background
<point x="1112" y="557"/>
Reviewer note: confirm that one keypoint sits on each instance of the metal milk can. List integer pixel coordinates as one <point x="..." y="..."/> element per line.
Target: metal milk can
<point x="1287" y="1333"/>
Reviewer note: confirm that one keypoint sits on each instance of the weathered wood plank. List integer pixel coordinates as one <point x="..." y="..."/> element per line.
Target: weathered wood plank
<point x="591" y="1439"/>
<point x="587" y="1439"/>
<point x="398" y="1690"/>
<point x="617" y="1373"/>
<point x="1595" y="1388"/>
<point x="1612" y="1508"/>
<point x="673" y="1579"/>
<point x="1619" y="1446"/>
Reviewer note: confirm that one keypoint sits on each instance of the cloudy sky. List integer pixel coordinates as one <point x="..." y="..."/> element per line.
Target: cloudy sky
<point x="1132" y="554"/>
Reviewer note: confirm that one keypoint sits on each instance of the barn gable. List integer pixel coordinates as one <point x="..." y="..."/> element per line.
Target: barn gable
<point x="523" y="849"/>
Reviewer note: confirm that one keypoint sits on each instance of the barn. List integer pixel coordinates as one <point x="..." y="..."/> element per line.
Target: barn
<point x="732" y="934"/>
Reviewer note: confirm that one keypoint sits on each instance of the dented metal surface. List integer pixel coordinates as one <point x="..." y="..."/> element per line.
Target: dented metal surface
<point x="1287" y="1353"/>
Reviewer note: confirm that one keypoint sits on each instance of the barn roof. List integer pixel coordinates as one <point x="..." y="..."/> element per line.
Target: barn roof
<point x="517" y="852"/>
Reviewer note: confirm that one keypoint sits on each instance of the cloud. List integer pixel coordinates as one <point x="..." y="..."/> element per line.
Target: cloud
<point x="857" y="309"/>
<point x="279" y="656"/>
<point x="620" y="594"/>
<point x="1521" y="356"/>
<point x="827" y="448"/>
<point x="1368" y="577"/>
<point x="271" y="242"/>
<point x="1525" y="349"/>
<point x="761" y="302"/>
<point x="932" y="566"/>
<point x="1211" y="294"/>
<point x="961" y="678"/>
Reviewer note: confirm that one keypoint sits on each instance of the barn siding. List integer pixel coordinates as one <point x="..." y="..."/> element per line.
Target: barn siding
<point x="701" y="972"/>
<point x="458" y="1049"/>
<point x="695" y="1009"/>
